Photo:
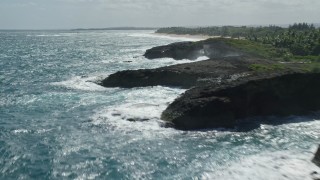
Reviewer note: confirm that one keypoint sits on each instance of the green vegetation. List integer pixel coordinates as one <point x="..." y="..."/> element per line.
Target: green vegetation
<point x="312" y="67"/>
<point x="292" y="43"/>
<point x="294" y="67"/>
<point x="255" y="48"/>
<point x="267" y="67"/>
<point x="310" y="59"/>
<point x="251" y="47"/>
<point x="297" y="46"/>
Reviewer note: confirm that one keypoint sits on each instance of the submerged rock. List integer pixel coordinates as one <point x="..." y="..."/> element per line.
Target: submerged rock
<point x="316" y="159"/>
<point x="224" y="105"/>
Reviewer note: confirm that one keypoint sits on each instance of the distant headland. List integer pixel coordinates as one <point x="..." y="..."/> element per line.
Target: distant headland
<point x="117" y="28"/>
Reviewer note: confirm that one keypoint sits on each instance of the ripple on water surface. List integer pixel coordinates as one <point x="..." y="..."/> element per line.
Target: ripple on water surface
<point x="57" y="123"/>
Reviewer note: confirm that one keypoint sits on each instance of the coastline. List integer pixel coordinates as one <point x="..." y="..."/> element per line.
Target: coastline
<point x="194" y="37"/>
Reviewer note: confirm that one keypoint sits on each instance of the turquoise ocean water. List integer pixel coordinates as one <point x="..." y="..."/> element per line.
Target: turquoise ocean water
<point x="56" y="123"/>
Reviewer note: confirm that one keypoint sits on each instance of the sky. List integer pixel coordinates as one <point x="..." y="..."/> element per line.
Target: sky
<point x="69" y="14"/>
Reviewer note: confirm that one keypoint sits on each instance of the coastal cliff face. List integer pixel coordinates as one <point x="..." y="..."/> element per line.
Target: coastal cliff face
<point x="177" y="51"/>
<point x="223" y="106"/>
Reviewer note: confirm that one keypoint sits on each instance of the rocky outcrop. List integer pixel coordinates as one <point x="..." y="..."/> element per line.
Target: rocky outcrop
<point x="316" y="159"/>
<point x="226" y="63"/>
<point x="212" y="48"/>
<point x="226" y="88"/>
<point x="177" y="51"/>
<point x="262" y="95"/>
<point x="199" y="73"/>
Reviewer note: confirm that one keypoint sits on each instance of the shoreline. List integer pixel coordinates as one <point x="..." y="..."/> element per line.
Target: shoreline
<point x="194" y="37"/>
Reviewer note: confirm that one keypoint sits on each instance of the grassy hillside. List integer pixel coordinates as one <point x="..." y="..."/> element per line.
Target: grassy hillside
<point x="279" y="59"/>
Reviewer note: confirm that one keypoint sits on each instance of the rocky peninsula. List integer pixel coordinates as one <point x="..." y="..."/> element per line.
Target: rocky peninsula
<point x="241" y="79"/>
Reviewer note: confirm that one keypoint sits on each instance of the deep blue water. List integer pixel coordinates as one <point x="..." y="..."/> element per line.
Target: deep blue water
<point x="56" y="123"/>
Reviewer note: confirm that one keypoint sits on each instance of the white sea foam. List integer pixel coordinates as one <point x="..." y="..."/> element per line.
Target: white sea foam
<point x="133" y="50"/>
<point x="139" y="62"/>
<point x="139" y="111"/>
<point x="51" y="35"/>
<point x="44" y="35"/>
<point x="169" y="37"/>
<point x="13" y="100"/>
<point x="19" y="131"/>
<point x="201" y="58"/>
<point x="82" y="83"/>
<point x="268" y="165"/>
<point x="141" y="104"/>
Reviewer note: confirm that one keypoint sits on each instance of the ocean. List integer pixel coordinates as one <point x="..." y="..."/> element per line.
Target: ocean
<point x="57" y="123"/>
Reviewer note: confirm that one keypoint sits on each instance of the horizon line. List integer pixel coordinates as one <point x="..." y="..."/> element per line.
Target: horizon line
<point x="148" y="27"/>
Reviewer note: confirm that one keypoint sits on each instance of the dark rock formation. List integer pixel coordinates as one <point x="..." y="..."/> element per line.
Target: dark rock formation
<point x="177" y="51"/>
<point x="212" y="48"/>
<point x="316" y="159"/>
<point x="227" y="88"/>
<point x="224" y="105"/>
<point x="315" y="175"/>
<point x="186" y="75"/>
<point x="226" y="63"/>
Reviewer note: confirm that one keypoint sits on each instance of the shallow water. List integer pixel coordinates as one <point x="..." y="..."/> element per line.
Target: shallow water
<point x="56" y="123"/>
